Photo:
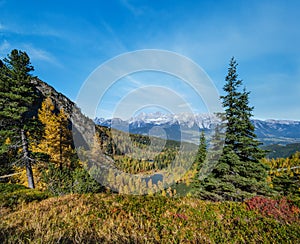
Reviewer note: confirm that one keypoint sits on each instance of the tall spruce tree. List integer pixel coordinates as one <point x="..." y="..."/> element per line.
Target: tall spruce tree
<point x="239" y="173"/>
<point x="17" y="95"/>
<point x="201" y="154"/>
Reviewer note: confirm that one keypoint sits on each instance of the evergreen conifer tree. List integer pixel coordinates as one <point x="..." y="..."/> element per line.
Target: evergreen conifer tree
<point x="239" y="174"/>
<point x="199" y="161"/>
<point x="201" y="154"/>
<point x="17" y="95"/>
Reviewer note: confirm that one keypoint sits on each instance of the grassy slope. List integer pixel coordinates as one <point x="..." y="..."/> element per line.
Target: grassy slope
<point x="123" y="219"/>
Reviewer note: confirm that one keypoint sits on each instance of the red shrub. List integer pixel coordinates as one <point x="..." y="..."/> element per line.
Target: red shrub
<point x="281" y="209"/>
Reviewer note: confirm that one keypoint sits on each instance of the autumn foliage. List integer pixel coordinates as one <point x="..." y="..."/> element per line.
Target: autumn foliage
<point x="57" y="138"/>
<point x="281" y="209"/>
<point x="114" y="218"/>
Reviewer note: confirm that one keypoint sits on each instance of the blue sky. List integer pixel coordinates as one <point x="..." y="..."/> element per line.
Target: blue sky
<point x="68" y="40"/>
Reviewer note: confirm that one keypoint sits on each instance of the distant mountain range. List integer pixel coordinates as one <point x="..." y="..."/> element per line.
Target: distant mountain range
<point x="179" y="126"/>
<point x="185" y="126"/>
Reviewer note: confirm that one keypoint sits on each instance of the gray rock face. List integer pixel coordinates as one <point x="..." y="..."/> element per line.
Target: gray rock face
<point x="83" y="127"/>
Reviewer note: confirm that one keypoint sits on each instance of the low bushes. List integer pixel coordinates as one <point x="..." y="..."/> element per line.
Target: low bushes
<point x="112" y="218"/>
<point x="280" y="209"/>
<point x="11" y="195"/>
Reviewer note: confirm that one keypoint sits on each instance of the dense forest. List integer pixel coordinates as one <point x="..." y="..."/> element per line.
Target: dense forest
<point x="42" y="177"/>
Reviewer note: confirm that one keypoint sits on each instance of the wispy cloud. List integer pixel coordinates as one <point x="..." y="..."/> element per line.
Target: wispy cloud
<point x="134" y="10"/>
<point x="4" y="46"/>
<point x="114" y="40"/>
<point x="34" y="53"/>
<point x="147" y="97"/>
<point x="133" y="81"/>
<point x="41" y="30"/>
<point x="263" y="36"/>
<point x="40" y="55"/>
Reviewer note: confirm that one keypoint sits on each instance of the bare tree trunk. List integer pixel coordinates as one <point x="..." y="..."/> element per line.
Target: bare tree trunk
<point x="27" y="159"/>
<point x="60" y="148"/>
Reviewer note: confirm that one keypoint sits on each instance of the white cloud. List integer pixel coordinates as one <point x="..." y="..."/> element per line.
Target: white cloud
<point x="150" y="96"/>
<point x="35" y="54"/>
<point x="4" y="46"/>
<point x="40" y="55"/>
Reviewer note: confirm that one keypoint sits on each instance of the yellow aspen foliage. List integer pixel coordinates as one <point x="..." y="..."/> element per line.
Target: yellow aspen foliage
<point x="284" y="173"/>
<point x="56" y="141"/>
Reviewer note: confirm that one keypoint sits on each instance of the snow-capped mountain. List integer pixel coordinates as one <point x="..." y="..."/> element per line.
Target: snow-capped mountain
<point x="203" y="121"/>
<point x="182" y="126"/>
<point x="277" y="131"/>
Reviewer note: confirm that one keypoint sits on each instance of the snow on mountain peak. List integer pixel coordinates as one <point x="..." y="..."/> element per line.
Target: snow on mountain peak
<point x="158" y="118"/>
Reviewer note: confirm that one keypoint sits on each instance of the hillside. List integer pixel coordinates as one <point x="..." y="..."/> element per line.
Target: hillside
<point x="80" y="122"/>
<point x="111" y="218"/>
<point x="163" y="122"/>
<point x="126" y="152"/>
<point x="282" y="151"/>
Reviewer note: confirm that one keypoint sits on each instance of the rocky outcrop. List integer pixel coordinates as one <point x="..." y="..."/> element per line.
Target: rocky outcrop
<point x="82" y="127"/>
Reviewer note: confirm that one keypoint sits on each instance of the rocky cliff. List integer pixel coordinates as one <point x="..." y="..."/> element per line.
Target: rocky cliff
<point x="82" y="127"/>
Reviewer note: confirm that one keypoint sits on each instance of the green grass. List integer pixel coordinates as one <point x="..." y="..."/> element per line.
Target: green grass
<point x="12" y="195"/>
<point x="112" y="218"/>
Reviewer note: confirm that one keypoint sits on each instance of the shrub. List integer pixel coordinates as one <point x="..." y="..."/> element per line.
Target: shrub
<point x="64" y="181"/>
<point x="58" y="181"/>
<point x="281" y="209"/>
<point x="112" y="218"/>
<point x="12" y="195"/>
<point x="84" y="183"/>
<point x="8" y="188"/>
